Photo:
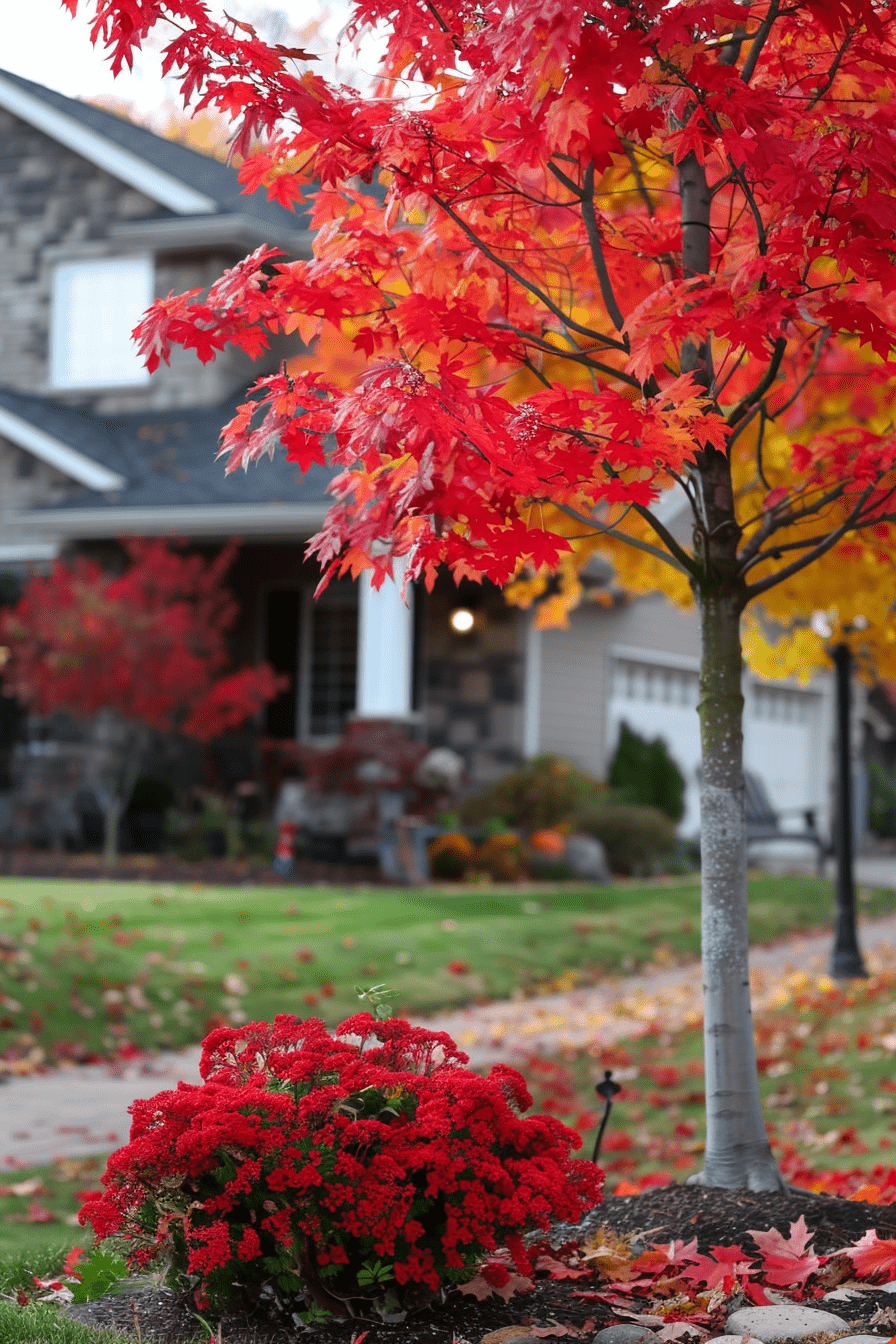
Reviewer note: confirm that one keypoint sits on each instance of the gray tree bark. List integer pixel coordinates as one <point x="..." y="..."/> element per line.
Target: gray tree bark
<point x="737" y="1149"/>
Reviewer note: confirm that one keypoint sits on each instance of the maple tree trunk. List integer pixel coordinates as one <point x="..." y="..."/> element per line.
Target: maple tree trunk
<point x="112" y="811"/>
<point x="737" y="1151"/>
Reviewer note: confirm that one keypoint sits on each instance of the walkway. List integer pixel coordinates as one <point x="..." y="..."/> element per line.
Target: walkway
<point x="74" y="1112"/>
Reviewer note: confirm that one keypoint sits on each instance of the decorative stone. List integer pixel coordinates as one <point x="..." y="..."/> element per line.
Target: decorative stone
<point x="773" y="1323"/>
<point x="862" y="1339"/>
<point x="509" y="1334"/>
<point x="589" y="859"/>
<point x="624" y="1334"/>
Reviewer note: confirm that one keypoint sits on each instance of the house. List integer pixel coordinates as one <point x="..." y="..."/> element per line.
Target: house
<point x="97" y="216"/>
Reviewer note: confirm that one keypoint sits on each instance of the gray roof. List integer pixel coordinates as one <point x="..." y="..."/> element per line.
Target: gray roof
<point x="196" y="170"/>
<point x="167" y="458"/>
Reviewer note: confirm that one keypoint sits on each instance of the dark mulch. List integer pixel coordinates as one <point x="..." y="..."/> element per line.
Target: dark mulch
<point x="714" y="1217"/>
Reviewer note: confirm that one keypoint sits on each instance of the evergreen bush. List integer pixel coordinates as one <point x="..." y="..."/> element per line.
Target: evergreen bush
<point x="643" y="772"/>
<point x="881" y="801"/>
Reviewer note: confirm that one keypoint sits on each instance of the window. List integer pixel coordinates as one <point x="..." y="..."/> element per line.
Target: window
<point x="96" y="305"/>
<point x="333" y="659"/>
<point x="315" y="644"/>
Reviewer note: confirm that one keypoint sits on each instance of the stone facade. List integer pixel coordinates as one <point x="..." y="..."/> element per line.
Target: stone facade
<point x="56" y="206"/>
<point x="470" y="691"/>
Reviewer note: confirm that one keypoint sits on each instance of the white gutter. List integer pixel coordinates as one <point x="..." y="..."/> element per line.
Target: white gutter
<point x="154" y="182"/>
<point x="199" y="520"/>
<point x="21" y="552"/>
<point x="57" y="454"/>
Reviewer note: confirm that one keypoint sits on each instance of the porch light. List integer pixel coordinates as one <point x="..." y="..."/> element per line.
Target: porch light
<point x="462" y="620"/>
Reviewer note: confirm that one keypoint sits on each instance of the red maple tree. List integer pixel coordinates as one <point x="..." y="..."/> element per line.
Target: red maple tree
<point x="143" y="649"/>
<point x="589" y="250"/>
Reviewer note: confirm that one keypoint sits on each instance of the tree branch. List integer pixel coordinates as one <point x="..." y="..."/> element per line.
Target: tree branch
<point x="759" y="41"/>
<point x="511" y="271"/>
<point x="826" y="544"/>
<point x="634" y="542"/>
<point x="686" y="562"/>
<point x="762" y="386"/>
<point x="589" y="215"/>
<point x="576" y="354"/>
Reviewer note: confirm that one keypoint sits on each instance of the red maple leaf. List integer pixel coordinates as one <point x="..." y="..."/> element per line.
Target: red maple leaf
<point x="787" y="1261"/>
<point x="872" y="1257"/>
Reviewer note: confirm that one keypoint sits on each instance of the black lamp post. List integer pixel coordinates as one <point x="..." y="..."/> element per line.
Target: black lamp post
<point x="846" y="960"/>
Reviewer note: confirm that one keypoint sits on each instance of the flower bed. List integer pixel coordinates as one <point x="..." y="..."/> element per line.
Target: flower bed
<point x="356" y="1172"/>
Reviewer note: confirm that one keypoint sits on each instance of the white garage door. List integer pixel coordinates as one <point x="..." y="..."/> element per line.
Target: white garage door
<point x="783" y="729"/>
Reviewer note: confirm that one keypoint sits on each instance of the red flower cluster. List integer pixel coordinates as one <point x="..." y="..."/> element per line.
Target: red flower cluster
<point x="316" y="1164"/>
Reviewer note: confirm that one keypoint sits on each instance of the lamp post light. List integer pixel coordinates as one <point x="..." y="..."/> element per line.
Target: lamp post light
<point x="846" y="961"/>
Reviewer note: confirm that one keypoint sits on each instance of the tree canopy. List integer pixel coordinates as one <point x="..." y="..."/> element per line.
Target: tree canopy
<point x="588" y="251"/>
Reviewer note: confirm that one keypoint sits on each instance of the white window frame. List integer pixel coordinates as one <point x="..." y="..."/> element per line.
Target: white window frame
<point x="74" y="365"/>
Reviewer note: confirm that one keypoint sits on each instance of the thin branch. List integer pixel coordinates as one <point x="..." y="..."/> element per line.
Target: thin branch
<point x="567" y="181"/>
<point x="759" y="41"/>
<point x="832" y="73"/>
<point x="589" y="214"/>
<point x="639" y="179"/>
<point x="762" y="386"/>
<point x="770" y="581"/>
<point x="823" y="334"/>
<point x="577" y="355"/>
<point x="533" y="289"/>
<point x="542" y="378"/>
<point x="774" y="521"/>
<point x="686" y="562"/>
<point x="634" y="542"/>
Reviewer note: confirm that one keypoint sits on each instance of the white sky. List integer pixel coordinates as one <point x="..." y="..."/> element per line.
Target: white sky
<point x="40" y="41"/>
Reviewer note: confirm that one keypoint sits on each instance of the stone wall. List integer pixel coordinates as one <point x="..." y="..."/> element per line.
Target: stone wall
<point x="470" y="686"/>
<point x="56" y="206"/>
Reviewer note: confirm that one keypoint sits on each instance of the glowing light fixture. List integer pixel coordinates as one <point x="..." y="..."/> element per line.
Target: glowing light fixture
<point x="462" y="620"/>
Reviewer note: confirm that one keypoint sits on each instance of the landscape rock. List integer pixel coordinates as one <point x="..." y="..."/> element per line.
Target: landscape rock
<point x="519" y="1334"/>
<point x="588" y="857"/>
<point x="624" y="1334"/>
<point x="773" y="1323"/>
<point x="862" y="1339"/>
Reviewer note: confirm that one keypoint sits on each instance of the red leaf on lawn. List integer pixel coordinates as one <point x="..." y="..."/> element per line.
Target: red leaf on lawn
<point x="39" y="1213"/>
<point x="68" y="1264"/>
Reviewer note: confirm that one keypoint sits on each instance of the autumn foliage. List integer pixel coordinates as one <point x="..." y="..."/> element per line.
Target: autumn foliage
<point x="354" y="1169"/>
<point x="149" y="643"/>
<point x="536" y="327"/>
<point x="586" y="252"/>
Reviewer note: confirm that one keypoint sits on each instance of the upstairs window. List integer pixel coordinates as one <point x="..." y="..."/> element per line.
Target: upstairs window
<point x="96" y="305"/>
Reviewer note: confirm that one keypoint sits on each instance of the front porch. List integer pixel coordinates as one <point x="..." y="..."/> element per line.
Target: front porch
<point x="356" y="652"/>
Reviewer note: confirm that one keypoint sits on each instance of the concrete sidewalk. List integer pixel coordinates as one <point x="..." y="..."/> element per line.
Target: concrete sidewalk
<point x="77" y="1111"/>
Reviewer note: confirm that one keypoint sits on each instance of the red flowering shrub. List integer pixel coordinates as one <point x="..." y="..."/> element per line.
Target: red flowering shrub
<point x="370" y="1164"/>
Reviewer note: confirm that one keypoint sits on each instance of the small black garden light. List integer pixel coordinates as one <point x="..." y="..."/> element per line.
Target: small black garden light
<point x="608" y="1090"/>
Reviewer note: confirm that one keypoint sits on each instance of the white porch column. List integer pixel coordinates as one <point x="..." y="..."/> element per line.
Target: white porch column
<point x="532" y="690"/>
<point x="385" y="648"/>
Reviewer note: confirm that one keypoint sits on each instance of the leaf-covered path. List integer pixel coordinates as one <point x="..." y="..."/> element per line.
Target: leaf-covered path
<point x="73" y="1112"/>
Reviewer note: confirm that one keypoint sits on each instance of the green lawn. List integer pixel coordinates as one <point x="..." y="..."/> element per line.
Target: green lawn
<point x="91" y="966"/>
<point x="827" y="1075"/>
<point x="161" y="956"/>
